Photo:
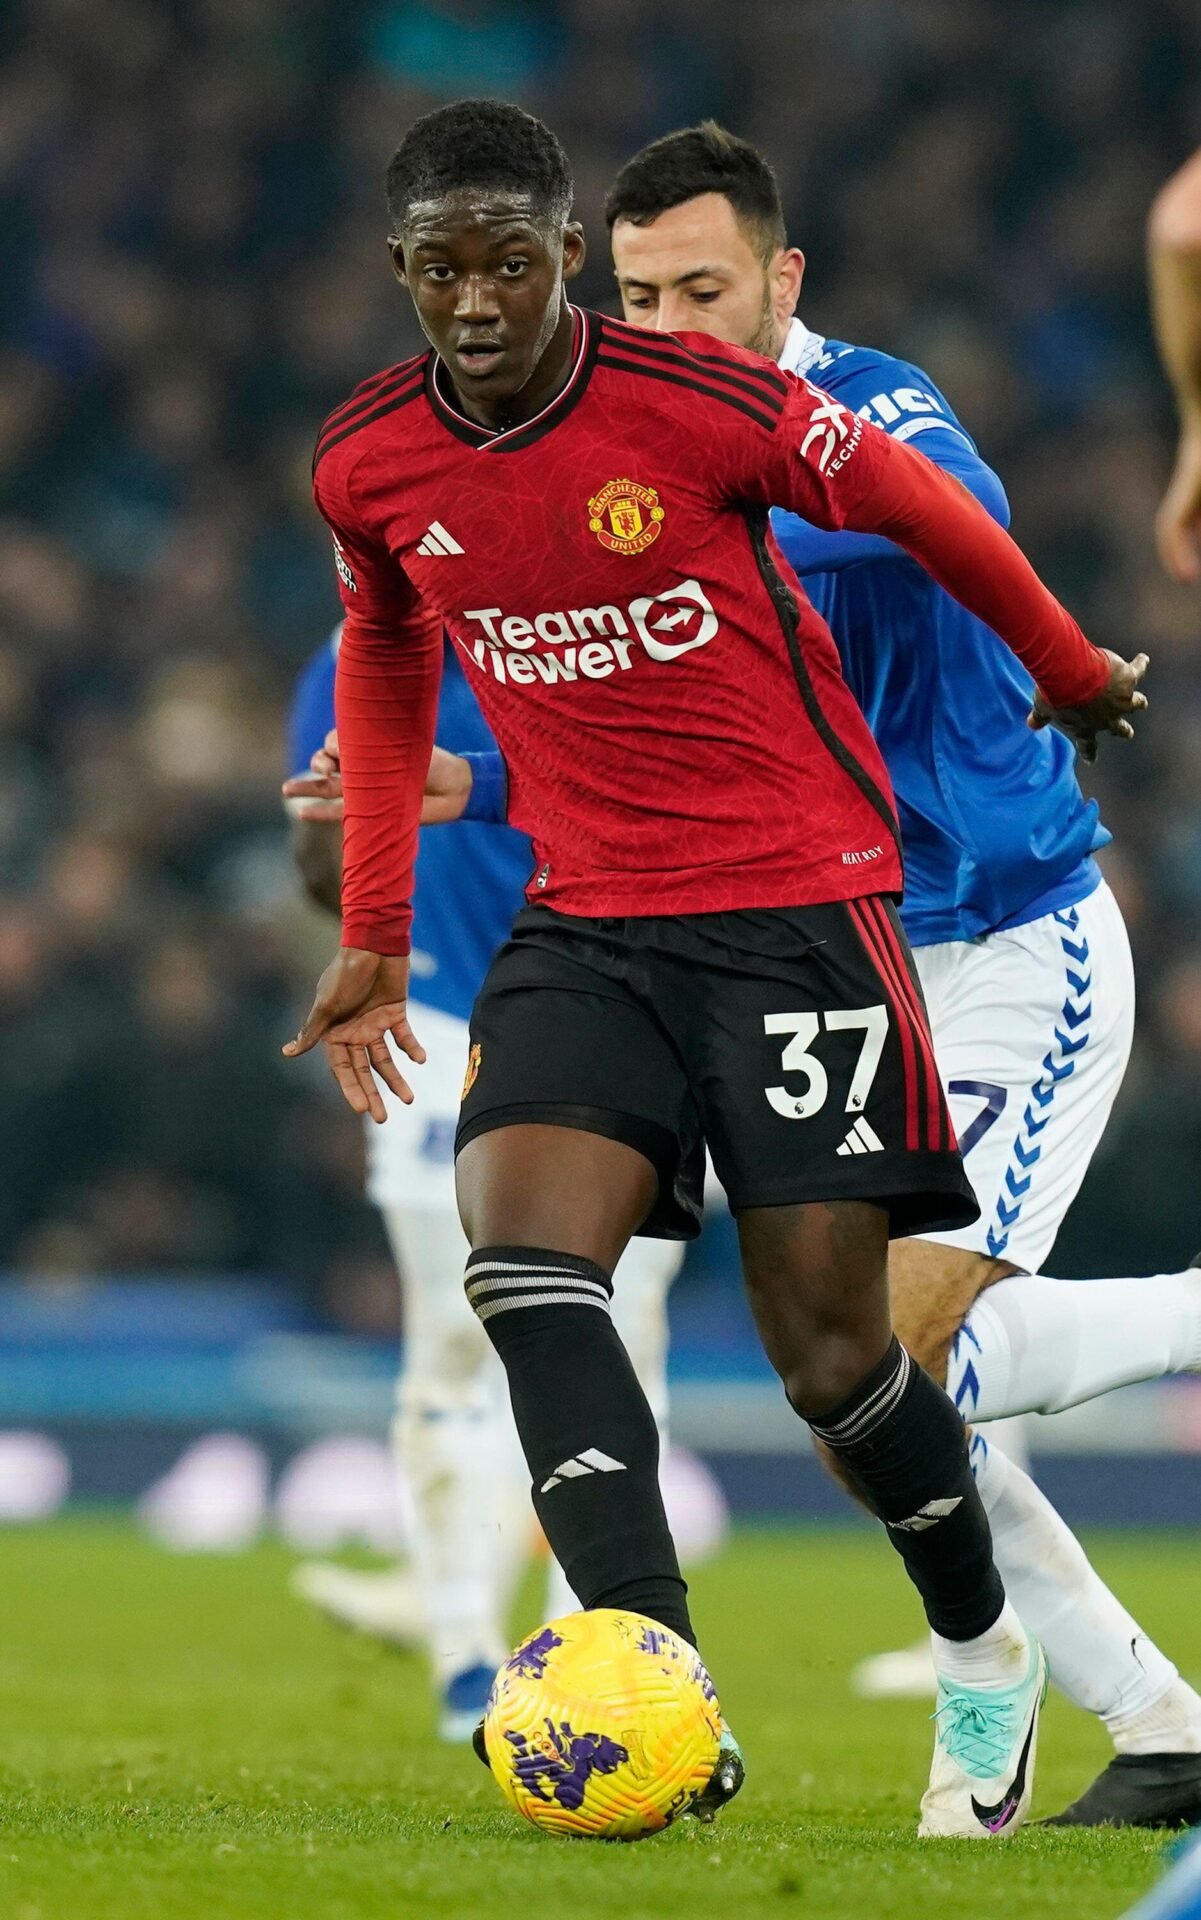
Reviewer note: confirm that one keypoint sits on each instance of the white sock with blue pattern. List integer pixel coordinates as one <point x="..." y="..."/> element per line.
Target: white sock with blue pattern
<point x="1033" y="1345"/>
<point x="1098" y="1654"/>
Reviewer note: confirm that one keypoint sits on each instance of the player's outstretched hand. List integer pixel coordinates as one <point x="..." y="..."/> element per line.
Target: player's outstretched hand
<point x="1178" y="522"/>
<point x="317" y="795"/>
<point x="362" y="997"/>
<point x="1107" y="712"/>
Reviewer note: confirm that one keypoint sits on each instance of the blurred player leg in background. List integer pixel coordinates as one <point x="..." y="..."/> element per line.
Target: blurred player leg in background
<point x="449" y="1433"/>
<point x="456" y="1448"/>
<point x="1175" y="261"/>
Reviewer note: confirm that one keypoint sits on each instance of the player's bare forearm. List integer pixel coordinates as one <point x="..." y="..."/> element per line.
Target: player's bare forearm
<point x="1176" y="304"/>
<point x="1174" y="237"/>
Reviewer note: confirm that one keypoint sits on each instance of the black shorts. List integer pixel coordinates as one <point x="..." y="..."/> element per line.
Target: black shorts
<point x="793" y="1041"/>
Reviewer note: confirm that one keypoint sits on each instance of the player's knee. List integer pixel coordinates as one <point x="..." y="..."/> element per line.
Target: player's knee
<point x="828" y="1369"/>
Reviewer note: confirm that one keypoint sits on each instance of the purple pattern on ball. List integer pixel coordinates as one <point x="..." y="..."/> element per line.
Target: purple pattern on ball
<point x="531" y="1657"/>
<point x="700" y="1674"/>
<point x="576" y="1757"/>
<point x="656" y="1641"/>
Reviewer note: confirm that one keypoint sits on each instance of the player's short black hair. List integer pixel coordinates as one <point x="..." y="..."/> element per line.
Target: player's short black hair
<point x="479" y="143"/>
<point x="696" y="160"/>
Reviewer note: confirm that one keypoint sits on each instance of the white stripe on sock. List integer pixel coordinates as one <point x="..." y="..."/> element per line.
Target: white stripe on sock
<point x="491" y="1307"/>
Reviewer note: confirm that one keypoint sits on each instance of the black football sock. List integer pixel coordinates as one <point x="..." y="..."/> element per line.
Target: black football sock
<point x="903" y="1444"/>
<point x="588" y="1434"/>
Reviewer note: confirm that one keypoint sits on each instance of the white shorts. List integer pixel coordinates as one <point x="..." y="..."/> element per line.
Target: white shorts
<point x="1032" y="1030"/>
<point x="411" y="1158"/>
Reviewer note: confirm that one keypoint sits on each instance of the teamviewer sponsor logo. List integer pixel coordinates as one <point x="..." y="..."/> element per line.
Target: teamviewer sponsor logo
<point x="674" y="622"/>
<point x="588" y="643"/>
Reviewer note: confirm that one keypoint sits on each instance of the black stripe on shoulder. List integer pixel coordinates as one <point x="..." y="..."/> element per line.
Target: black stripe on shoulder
<point x="370" y="390"/>
<point x="392" y="404"/>
<point x="739" y="379"/>
<point x="667" y="346"/>
<point x="753" y="408"/>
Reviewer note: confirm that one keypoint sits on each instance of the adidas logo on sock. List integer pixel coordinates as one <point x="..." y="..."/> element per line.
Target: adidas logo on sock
<point x="862" y="1139"/>
<point x="927" y="1516"/>
<point x="438" y="541"/>
<point x="592" y="1460"/>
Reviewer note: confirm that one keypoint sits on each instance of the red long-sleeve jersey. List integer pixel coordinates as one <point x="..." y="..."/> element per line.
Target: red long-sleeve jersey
<point x="671" y="709"/>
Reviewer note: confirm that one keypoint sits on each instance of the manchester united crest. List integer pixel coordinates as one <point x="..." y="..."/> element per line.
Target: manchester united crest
<point x="473" y="1068"/>
<point x="625" y="517"/>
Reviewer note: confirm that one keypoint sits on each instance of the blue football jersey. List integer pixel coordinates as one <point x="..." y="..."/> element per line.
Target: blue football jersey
<point x="994" y="827"/>
<point x="471" y="877"/>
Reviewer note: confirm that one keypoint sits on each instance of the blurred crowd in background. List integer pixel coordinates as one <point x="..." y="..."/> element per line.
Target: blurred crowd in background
<point x="192" y="227"/>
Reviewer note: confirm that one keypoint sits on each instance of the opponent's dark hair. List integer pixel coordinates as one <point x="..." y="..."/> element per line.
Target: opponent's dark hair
<point x="696" y="160"/>
<point x="479" y="143"/>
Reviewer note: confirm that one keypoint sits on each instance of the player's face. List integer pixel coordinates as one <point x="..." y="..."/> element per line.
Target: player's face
<point x="486" y="276"/>
<point x="694" y="269"/>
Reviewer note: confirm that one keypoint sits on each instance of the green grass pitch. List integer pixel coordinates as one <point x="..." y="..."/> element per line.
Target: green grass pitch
<point x="181" y="1738"/>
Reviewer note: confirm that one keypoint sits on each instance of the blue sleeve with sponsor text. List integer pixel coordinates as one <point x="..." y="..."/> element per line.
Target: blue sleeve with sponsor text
<point x="904" y="401"/>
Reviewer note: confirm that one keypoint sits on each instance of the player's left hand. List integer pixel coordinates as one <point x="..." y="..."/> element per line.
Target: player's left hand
<point x="1106" y="712"/>
<point x="361" y="998"/>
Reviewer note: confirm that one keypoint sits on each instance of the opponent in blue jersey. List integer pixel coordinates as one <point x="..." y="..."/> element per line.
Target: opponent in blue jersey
<point x="1020" y="945"/>
<point x="469" y="883"/>
<point x="992" y="839"/>
<point x="453" y="1433"/>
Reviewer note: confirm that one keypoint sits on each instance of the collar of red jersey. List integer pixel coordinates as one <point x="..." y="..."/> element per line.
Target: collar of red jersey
<point x="802" y="349"/>
<point x="439" y="383"/>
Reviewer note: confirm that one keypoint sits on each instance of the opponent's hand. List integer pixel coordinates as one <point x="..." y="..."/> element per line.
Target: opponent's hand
<point x="1178" y="522"/>
<point x="447" y="788"/>
<point x="361" y="997"/>
<point x="317" y="795"/>
<point x="1106" y="712"/>
<point x="313" y="796"/>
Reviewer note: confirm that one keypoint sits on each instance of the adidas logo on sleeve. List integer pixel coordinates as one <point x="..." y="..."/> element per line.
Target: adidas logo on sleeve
<point x="438" y="541"/>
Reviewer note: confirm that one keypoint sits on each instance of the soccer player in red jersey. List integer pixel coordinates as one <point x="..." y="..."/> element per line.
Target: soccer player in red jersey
<point x="711" y="952"/>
